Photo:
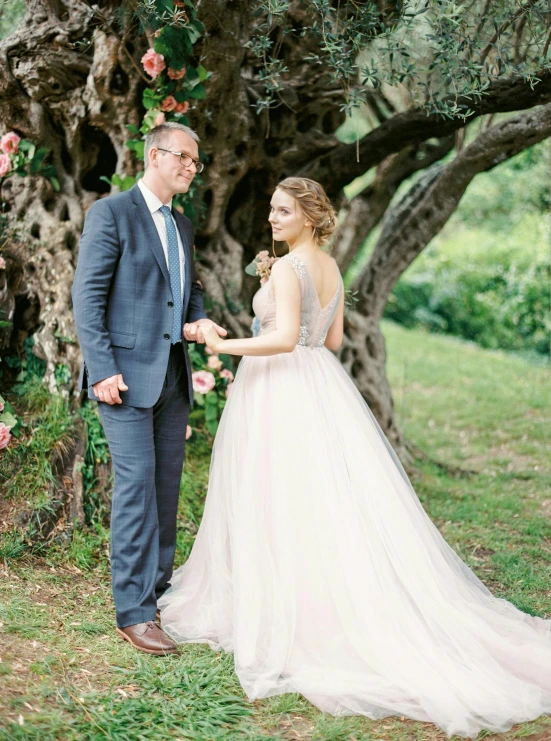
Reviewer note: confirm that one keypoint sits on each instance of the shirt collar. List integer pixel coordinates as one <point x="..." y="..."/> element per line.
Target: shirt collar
<point x="153" y="203"/>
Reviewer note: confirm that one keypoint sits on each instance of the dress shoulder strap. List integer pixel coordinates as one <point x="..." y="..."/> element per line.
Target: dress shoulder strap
<point x="298" y="265"/>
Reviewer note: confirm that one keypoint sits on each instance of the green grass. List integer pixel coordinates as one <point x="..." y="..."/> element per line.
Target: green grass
<point x="65" y="675"/>
<point x="25" y="467"/>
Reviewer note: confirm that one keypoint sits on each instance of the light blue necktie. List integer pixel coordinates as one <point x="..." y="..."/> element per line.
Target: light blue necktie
<point x="174" y="270"/>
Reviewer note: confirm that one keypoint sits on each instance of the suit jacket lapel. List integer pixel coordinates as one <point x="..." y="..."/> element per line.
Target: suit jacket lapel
<point x="180" y="223"/>
<point x="150" y="230"/>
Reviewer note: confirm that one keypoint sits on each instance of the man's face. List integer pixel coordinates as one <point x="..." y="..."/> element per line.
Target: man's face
<point x="174" y="175"/>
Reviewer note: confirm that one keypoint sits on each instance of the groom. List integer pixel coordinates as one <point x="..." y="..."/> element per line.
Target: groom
<point x="136" y="301"/>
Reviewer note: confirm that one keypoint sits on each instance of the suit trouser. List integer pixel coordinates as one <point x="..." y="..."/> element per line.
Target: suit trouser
<point x="147" y="450"/>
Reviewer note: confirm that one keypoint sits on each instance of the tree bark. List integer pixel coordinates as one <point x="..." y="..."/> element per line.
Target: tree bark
<point x="77" y="103"/>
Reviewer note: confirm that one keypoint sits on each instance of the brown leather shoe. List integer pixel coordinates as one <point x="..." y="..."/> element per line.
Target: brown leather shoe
<point x="149" y="638"/>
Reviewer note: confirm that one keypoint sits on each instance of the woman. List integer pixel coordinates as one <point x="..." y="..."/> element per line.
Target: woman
<point x="315" y="562"/>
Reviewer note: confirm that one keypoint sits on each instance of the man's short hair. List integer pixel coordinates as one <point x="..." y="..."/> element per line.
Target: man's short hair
<point x="158" y="136"/>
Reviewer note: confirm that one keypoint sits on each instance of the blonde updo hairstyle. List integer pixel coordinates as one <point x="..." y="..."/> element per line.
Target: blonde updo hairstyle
<point x="315" y="205"/>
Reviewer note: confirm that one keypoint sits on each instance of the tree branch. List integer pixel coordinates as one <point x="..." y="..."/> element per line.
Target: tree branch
<point x="430" y="203"/>
<point x="367" y="209"/>
<point x="339" y="167"/>
<point x="504" y="26"/>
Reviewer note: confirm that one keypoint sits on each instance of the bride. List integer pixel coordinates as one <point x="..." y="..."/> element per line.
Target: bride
<point x="315" y="562"/>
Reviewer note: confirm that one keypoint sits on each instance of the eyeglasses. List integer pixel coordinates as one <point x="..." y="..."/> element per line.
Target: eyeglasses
<point x="185" y="159"/>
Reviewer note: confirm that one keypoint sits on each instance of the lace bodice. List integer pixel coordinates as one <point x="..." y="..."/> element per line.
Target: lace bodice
<point x="314" y="320"/>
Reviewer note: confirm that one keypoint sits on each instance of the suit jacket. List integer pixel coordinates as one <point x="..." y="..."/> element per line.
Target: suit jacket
<point x="122" y="299"/>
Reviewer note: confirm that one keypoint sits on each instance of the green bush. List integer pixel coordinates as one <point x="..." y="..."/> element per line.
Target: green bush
<point x="498" y="297"/>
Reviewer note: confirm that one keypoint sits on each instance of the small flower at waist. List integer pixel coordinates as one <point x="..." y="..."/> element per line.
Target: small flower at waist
<point x="261" y="266"/>
<point x="153" y="63"/>
<point x="203" y="381"/>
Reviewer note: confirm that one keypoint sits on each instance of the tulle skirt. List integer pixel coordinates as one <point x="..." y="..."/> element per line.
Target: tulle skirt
<point x="316" y="564"/>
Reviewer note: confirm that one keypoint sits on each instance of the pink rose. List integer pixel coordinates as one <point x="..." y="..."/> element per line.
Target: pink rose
<point x="9" y="143"/>
<point x="169" y="103"/>
<point x="188" y="432"/>
<point x="226" y="373"/>
<point x="159" y="119"/>
<point x="176" y="74"/>
<point x="214" y="362"/>
<point x="2" y="263"/>
<point x="182" y="107"/>
<point x="5" y="165"/>
<point x="228" y="390"/>
<point x="153" y="63"/>
<point x="5" y="436"/>
<point x="203" y="381"/>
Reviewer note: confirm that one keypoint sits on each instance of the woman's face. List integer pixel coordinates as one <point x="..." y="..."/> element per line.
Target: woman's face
<point x="286" y="217"/>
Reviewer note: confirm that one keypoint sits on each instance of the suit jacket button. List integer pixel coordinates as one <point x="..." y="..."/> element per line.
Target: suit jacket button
<point x="171" y="303"/>
<point x="166" y="336"/>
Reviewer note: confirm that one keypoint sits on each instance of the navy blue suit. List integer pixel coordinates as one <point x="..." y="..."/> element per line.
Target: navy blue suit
<point x="123" y="308"/>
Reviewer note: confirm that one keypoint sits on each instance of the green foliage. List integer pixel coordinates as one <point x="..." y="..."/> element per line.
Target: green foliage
<point x="487" y="276"/>
<point x="209" y="407"/>
<point x="504" y="305"/>
<point x="12" y="545"/>
<point x="29" y="366"/>
<point x="28" y="160"/>
<point x="176" y="30"/>
<point x="439" y="50"/>
<point x="12" y="13"/>
<point x="124" y="183"/>
<point x="97" y="452"/>
<point x="25" y="465"/>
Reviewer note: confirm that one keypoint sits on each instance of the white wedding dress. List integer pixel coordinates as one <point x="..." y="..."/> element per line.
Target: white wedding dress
<point x="317" y="566"/>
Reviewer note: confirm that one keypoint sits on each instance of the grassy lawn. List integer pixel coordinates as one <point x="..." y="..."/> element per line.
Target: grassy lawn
<point x="64" y="674"/>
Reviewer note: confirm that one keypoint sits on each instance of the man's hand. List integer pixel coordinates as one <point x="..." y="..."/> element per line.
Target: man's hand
<point x="194" y="333"/>
<point x="108" y="389"/>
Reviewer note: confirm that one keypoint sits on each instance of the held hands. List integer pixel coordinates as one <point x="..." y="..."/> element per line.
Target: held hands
<point x="205" y="330"/>
<point x="108" y="389"/>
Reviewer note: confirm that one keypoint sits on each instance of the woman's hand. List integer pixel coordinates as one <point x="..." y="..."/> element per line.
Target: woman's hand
<point x="212" y="339"/>
<point x="193" y="333"/>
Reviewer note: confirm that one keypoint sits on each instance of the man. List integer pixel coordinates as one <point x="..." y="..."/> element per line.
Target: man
<point x="136" y="301"/>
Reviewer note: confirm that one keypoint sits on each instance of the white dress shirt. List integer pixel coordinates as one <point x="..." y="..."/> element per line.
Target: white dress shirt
<point x="154" y="205"/>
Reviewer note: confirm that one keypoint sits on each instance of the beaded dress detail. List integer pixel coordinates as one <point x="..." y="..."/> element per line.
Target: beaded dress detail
<point x="314" y="320"/>
<point x="316" y="564"/>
